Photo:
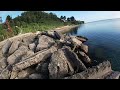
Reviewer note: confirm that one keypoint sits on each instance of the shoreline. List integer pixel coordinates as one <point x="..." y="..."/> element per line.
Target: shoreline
<point x="62" y="29"/>
<point x="65" y="29"/>
<point x="69" y="52"/>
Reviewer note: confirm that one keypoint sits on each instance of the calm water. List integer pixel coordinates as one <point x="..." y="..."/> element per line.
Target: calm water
<point x="103" y="40"/>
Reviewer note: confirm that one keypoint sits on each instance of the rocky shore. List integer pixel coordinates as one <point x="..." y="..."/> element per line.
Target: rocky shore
<point x="50" y="55"/>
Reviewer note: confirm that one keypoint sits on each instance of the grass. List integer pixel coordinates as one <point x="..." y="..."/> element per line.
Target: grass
<point x="33" y="27"/>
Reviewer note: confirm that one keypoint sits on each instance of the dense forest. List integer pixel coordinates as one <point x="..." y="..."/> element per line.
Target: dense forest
<point x="32" y="21"/>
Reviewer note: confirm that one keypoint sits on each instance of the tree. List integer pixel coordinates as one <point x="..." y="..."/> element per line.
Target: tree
<point x="8" y="18"/>
<point x="64" y="17"/>
<point x="72" y="18"/>
<point x="68" y="19"/>
<point x="61" y="17"/>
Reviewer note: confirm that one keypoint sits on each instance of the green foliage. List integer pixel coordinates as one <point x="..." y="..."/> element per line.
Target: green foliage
<point x="32" y="21"/>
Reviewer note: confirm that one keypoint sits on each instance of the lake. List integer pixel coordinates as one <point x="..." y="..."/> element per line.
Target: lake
<point x="103" y="40"/>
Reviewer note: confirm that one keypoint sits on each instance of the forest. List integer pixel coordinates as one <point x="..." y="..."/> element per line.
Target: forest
<point x="32" y="21"/>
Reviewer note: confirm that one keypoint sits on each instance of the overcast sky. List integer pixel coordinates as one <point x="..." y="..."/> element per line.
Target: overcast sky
<point x="87" y="16"/>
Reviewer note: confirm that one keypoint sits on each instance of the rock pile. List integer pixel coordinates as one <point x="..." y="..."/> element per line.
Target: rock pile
<point x="50" y="55"/>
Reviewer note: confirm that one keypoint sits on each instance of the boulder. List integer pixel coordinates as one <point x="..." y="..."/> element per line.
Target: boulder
<point x="5" y="74"/>
<point x="36" y="76"/>
<point x="114" y="75"/>
<point x="35" y="59"/>
<point x="49" y="33"/>
<point x="44" y="42"/>
<point x="74" y="60"/>
<point x="3" y="63"/>
<point x="14" y="47"/>
<point x="84" y="48"/>
<point x="6" y="47"/>
<point x="58" y="66"/>
<point x="83" y="39"/>
<point x="17" y="55"/>
<point x="96" y="72"/>
<point x="32" y="46"/>
<point x="29" y="39"/>
<point x="42" y="68"/>
<point x="64" y="62"/>
<point x="25" y="73"/>
<point x="84" y="57"/>
<point x="27" y="55"/>
<point x="58" y="35"/>
<point x="76" y="41"/>
<point x="67" y="38"/>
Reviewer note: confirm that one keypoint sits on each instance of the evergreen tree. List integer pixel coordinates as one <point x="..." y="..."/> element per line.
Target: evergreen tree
<point x="64" y="17"/>
<point x="8" y="18"/>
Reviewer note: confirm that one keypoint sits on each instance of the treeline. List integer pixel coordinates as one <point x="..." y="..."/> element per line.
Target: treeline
<point x="71" y="20"/>
<point x="32" y="21"/>
<point x="41" y="17"/>
<point x="38" y="17"/>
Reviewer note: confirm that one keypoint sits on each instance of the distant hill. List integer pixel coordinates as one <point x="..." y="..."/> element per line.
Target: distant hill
<point x="36" y="17"/>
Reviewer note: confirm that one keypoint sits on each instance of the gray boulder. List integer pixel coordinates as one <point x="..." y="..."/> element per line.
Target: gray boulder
<point x="96" y="72"/>
<point x="58" y="35"/>
<point x="29" y="39"/>
<point x="6" y="47"/>
<point x="49" y="33"/>
<point x="35" y="76"/>
<point x="58" y="66"/>
<point x="74" y="60"/>
<point x="75" y="41"/>
<point x="32" y="46"/>
<point x="42" y="68"/>
<point x="84" y="57"/>
<point x="27" y="55"/>
<point x="64" y="62"/>
<point x="114" y="75"/>
<point x="84" y="48"/>
<point x="14" y="47"/>
<point x="40" y="56"/>
<point x="44" y="42"/>
<point x="5" y="74"/>
<point x="83" y="39"/>
<point x="25" y="73"/>
<point x="17" y="55"/>
<point x="3" y="63"/>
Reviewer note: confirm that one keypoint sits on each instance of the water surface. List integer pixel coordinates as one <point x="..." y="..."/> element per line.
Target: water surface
<point x="103" y="40"/>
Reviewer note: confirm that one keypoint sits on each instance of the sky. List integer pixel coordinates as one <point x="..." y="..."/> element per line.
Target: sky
<point x="87" y="16"/>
